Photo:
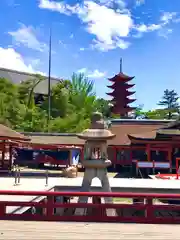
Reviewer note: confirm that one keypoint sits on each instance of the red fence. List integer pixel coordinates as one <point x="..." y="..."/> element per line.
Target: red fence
<point x="145" y="210"/>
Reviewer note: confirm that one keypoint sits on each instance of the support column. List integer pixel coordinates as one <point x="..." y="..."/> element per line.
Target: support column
<point x="10" y="157"/>
<point x="86" y="185"/>
<point x="131" y="155"/>
<point x="170" y="158"/>
<point x="115" y="154"/>
<point x="148" y="150"/>
<point x="103" y="177"/>
<point x="70" y="160"/>
<point x="89" y="174"/>
<point x="3" y="153"/>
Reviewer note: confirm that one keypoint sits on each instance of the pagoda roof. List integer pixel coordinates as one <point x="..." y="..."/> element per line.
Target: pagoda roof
<point x="119" y="84"/>
<point x="127" y="101"/>
<point x="120" y="93"/>
<point x="121" y="77"/>
<point x="120" y="110"/>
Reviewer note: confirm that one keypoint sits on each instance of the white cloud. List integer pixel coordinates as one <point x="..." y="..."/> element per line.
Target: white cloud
<point x="139" y="2"/>
<point x="177" y="20"/>
<point x="11" y="59"/>
<point x="53" y="6"/>
<point x="148" y="28"/>
<point x="82" y="70"/>
<point x="60" y="7"/>
<point x="112" y="3"/>
<point x="96" y="74"/>
<point x="161" y="27"/>
<point x="109" y="21"/>
<point x="26" y="36"/>
<point x="106" y="24"/>
<point x="104" y="47"/>
<point x="167" y="17"/>
<point x="92" y="74"/>
<point x="165" y="32"/>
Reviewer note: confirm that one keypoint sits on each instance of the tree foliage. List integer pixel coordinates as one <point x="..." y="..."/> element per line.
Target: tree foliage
<point x="72" y="103"/>
<point x="170" y="102"/>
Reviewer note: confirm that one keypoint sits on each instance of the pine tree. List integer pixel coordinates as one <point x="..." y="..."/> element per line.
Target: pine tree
<point x="170" y="102"/>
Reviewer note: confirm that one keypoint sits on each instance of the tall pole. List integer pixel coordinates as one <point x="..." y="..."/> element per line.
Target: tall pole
<point x="49" y="78"/>
<point x="120" y="65"/>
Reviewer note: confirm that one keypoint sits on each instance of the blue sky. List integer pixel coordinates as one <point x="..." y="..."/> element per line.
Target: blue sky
<point x="91" y="36"/>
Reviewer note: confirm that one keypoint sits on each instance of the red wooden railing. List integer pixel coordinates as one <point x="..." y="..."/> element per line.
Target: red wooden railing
<point x="147" y="207"/>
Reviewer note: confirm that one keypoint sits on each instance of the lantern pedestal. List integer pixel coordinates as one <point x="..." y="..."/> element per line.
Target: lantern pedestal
<point x="95" y="159"/>
<point x="90" y="173"/>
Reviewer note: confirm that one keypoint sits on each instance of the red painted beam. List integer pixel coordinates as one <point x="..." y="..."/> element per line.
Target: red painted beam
<point x="92" y="205"/>
<point x="91" y="194"/>
<point x="147" y="207"/>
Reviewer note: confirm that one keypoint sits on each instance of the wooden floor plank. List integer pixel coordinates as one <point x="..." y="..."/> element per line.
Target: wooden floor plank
<point x="11" y="230"/>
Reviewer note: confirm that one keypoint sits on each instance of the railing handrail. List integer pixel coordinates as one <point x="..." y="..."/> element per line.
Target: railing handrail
<point x="91" y="194"/>
<point x="143" y="210"/>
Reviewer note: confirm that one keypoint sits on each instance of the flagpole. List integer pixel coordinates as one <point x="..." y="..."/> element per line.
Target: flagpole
<point x="49" y="77"/>
<point x="120" y="65"/>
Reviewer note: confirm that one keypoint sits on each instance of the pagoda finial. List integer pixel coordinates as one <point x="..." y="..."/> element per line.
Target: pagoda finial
<point x="120" y="65"/>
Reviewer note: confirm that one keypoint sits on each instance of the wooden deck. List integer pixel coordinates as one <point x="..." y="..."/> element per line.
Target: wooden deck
<point x="11" y="230"/>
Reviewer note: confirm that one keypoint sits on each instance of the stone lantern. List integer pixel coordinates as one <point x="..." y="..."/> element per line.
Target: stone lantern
<point x="95" y="155"/>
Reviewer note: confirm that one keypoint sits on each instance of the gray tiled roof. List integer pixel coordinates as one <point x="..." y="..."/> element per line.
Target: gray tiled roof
<point x="17" y="77"/>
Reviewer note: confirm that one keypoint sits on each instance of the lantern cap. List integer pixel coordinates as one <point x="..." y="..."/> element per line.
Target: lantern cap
<point x="98" y="129"/>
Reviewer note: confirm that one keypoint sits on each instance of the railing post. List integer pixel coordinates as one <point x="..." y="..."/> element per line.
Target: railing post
<point x="47" y="177"/>
<point x="2" y="210"/>
<point x="15" y="175"/>
<point x="19" y="175"/>
<point x="149" y="213"/>
<point x="177" y="168"/>
<point x="50" y="207"/>
<point x="45" y="208"/>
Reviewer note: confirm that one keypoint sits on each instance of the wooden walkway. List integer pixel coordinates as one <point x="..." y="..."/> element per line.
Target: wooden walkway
<point x="13" y="230"/>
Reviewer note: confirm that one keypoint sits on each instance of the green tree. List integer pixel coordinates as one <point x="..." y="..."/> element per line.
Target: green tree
<point x="170" y="102"/>
<point x="35" y="120"/>
<point x="9" y="89"/>
<point x="72" y="103"/>
<point x="103" y="106"/>
<point x="71" y="124"/>
<point x="82" y="96"/>
<point x="60" y="105"/>
<point x="15" y="113"/>
<point x="26" y="90"/>
<point x="139" y="113"/>
<point x="10" y="107"/>
<point x="156" y="114"/>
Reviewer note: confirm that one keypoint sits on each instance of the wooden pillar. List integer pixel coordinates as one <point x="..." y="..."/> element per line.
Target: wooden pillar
<point x="10" y="157"/>
<point x="69" y="162"/>
<point x="3" y="153"/>
<point x="148" y="151"/>
<point x="50" y="208"/>
<point x="131" y="155"/>
<point x="170" y="158"/>
<point x="82" y="157"/>
<point x="115" y="155"/>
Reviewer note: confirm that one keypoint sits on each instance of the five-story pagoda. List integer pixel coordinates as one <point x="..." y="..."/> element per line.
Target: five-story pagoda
<point x="121" y="93"/>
